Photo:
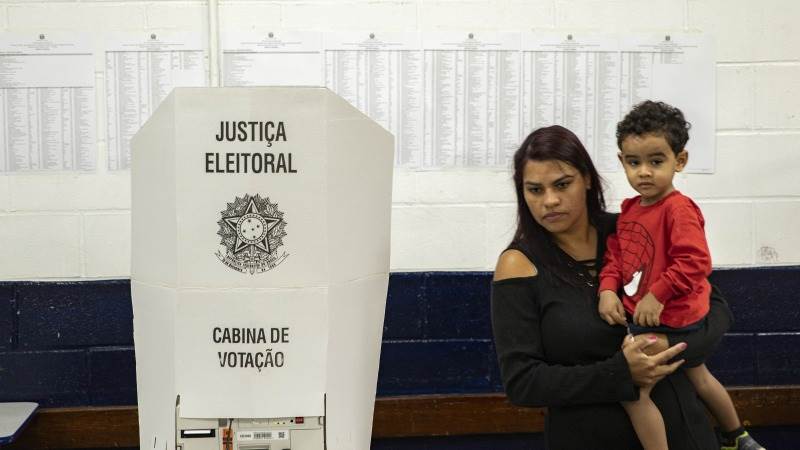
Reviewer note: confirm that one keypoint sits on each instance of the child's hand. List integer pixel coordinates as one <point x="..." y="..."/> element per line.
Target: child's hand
<point x="648" y="311"/>
<point x="611" y="309"/>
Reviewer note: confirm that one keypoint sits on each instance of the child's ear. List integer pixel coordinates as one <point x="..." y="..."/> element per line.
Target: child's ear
<point x="681" y="159"/>
<point x="619" y="157"/>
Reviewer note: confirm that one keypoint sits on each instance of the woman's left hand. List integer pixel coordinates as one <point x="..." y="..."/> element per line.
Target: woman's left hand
<point x="648" y="370"/>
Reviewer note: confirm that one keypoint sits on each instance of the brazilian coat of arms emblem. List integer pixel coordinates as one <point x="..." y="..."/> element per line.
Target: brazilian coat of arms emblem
<point x="251" y="230"/>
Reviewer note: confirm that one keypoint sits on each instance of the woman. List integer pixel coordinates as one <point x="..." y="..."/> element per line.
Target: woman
<point x="554" y="349"/>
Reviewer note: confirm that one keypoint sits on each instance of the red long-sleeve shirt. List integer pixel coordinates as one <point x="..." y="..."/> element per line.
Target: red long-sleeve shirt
<point x="660" y="248"/>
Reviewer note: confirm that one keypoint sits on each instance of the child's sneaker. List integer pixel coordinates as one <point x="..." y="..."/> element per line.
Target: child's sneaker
<point x="743" y="442"/>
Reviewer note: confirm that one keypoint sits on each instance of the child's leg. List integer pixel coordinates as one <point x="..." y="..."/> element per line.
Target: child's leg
<point x="715" y="396"/>
<point x="647" y="421"/>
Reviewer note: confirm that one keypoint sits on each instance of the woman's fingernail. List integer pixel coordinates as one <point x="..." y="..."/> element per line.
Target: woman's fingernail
<point x="651" y="338"/>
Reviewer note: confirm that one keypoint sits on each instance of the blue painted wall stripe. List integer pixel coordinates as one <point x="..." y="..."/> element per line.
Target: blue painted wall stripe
<point x="71" y="344"/>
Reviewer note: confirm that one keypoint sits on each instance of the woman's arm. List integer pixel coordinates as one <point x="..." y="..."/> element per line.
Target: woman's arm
<point x="529" y="379"/>
<point x="700" y="343"/>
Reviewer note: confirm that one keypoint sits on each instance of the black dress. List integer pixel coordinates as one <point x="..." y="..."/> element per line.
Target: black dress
<point x="554" y="350"/>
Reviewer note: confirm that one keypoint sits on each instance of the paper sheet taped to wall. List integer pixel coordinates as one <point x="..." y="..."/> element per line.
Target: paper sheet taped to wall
<point x="452" y="99"/>
<point x="462" y="99"/>
<point x="141" y="70"/>
<point x="47" y="102"/>
<point x="284" y="58"/>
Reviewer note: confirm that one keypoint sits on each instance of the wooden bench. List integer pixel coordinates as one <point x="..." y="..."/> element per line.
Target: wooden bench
<point x="407" y="416"/>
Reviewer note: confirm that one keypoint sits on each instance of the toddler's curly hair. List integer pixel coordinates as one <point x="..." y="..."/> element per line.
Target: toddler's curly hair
<point x="659" y="118"/>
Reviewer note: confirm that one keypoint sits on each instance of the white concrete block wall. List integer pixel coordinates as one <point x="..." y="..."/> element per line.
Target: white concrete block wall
<point x="524" y="14"/>
<point x="247" y="15"/>
<point x="5" y="197"/>
<point x="61" y="226"/>
<point x="105" y="236"/>
<point x="69" y="192"/>
<point x="490" y="15"/>
<point x="500" y="228"/>
<point x="391" y="16"/>
<point x="749" y="31"/>
<point x="177" y="16"/>
<point x="749" y="166"/>
<point x="40" y="245"/>
<point x="729" y="223"/>
<point x="92" y="16"/>
<point x="439" y="237"/>
<point x="736" y="93"/>
<point x="777" y="96"/>
<point x="776" y="236"/>
<point x="617" y="15"/>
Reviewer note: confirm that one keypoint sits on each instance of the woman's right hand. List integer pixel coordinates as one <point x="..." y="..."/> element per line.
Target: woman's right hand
<point x="649" y="370"/>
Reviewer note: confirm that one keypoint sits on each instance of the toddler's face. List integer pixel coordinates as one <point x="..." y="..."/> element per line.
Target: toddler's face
<point x="650" y="164"/>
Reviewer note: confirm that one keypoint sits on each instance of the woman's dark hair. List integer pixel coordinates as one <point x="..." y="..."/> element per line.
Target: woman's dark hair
<point x="553" y="143"/>
<point x="659" y="118"/>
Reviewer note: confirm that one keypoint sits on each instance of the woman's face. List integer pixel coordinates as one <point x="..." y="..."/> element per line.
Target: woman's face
<point x="556" y="194"/>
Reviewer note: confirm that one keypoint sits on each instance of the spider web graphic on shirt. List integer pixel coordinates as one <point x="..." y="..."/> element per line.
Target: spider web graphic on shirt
<point x="637" y="252"/>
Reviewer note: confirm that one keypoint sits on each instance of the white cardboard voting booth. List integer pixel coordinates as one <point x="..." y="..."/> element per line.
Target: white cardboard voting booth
<point x="261" y="221"/>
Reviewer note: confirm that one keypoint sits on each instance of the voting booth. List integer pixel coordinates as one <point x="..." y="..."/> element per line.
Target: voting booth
<point x="260" y="258"/>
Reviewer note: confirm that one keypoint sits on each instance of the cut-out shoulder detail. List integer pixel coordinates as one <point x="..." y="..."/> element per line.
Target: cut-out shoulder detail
<point x="513" y="264"/>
